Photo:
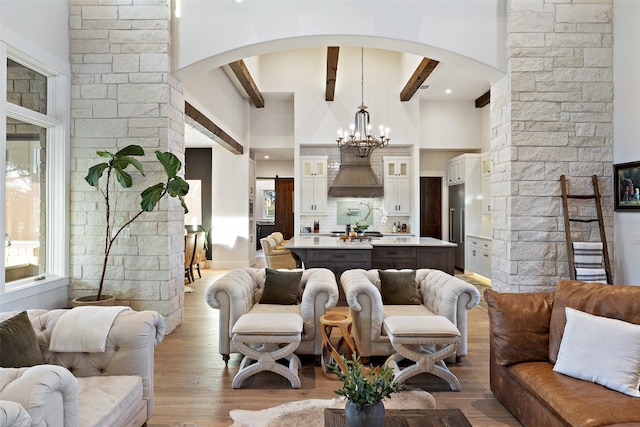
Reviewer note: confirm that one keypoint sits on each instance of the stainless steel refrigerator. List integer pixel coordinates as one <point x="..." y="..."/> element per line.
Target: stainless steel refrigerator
<point x="456" y="222"/>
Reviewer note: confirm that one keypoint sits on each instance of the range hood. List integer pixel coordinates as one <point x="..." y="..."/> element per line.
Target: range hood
<point x="355" y="178"/>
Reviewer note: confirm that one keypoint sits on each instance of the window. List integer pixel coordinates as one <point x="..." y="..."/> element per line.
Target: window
<point x="25" y="209"/>
<point x="34" y="117"/>
<point x="26" y="87"/>
<point x="269" y="204"/>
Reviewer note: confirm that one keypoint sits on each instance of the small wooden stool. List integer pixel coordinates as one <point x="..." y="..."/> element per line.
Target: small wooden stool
<point x="330" y="353"/>
<point x="426" y="340"/>
<point x="260" y="336"/>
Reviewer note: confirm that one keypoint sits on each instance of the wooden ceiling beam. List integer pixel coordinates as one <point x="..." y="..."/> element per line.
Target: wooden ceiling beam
<point x="421" y="73"/>
<point x="483" y="99"/>
<point x="204" y="125"/>
<point x="332" y="72"/>
<point x="244" y="77"/>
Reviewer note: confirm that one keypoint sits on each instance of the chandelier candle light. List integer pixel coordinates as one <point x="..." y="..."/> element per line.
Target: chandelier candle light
<point x="359" y="139"/>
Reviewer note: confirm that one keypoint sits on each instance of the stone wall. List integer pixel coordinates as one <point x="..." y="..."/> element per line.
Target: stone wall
<point x="551" y="115"/>
<point x="122" y="93"/>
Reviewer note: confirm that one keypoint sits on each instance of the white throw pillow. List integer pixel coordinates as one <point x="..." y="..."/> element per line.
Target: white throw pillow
<point x="601" y="350"/>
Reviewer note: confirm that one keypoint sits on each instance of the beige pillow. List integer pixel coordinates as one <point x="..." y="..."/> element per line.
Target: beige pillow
<point x="399" y="287"/>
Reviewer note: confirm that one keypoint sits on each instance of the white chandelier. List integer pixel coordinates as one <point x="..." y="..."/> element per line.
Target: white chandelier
<point x="359" y="139"/>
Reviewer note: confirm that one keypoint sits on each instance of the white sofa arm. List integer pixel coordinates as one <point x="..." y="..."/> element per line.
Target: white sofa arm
<point x="129" y="348"/>
<point x="48" y="393"/>
<point x="448" y="296"/>
<point x="234" y="295"/>
<point x="320" y="293"/>
<point x="445" y="294"/>
<point x="365" y="305"/>
<point x="12" y="414"/>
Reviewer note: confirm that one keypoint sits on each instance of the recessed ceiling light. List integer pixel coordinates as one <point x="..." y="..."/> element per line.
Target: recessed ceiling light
<point x="447" y="91"/>
<point x="266" y="157"/>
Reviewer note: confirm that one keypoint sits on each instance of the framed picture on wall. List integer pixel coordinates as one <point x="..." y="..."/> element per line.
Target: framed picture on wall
<point x="626" y="178"/>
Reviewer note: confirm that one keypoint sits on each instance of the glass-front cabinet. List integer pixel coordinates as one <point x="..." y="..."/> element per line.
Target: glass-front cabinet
<point x="397" y="185"/>
<point x="313" y="184"/>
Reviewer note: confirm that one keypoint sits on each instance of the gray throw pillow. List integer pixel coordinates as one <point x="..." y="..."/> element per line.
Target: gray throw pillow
<point x="18" y="343"/>
<point x="399" y="288"/>
<point x="281" y="287"/>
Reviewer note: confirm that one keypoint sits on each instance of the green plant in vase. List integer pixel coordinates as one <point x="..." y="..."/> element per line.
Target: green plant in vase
<point x="365" y="388"/>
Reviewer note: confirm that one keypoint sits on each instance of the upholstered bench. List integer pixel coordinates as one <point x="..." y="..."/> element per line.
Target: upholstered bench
<point x="260" y="336"/>
<point x="425" y="340"/>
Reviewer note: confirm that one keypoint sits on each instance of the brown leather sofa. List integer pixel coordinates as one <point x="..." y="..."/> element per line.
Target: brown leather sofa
<point x="525" y="334"/>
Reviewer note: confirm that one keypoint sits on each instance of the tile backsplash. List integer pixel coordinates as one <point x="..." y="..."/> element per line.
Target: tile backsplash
<point x="329" y="221"/>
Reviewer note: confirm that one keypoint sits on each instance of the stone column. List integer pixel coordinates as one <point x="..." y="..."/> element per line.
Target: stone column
<point x="123" y="93"/>
<point x="551" y="115"/>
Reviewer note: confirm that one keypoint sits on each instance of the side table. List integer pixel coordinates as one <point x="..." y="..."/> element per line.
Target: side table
<point x="406" y="418"/>
<point x="330" y="353"/>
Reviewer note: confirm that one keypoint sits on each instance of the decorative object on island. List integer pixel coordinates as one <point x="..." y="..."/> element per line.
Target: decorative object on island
<point x="362" y="224"/>
<point x="364" y="388"/>
<point x="174" y="186"/>
<point x="359" y="139"/>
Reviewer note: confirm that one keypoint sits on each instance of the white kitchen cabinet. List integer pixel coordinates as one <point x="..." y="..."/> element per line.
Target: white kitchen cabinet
<point x="397" y="166"/>
<point x="479" y="256"/>
<point x="456" y="171"/>
<point x="486" y="195"/>
<point x="485" y="160"/>
<point x="397" y="196"/>
<point x="397" y="185"/>
<point x="313" y="184"/>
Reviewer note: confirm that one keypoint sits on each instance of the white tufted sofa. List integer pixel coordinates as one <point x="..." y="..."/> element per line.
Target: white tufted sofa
<point x="238" y="291"/>
<point x="113" y="388"/>
<point x="442" y="294"/>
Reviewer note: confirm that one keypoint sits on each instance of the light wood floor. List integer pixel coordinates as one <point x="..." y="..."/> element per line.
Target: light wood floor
<point x="193" y="385"/>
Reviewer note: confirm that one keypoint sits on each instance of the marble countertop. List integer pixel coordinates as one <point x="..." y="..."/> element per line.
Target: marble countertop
<point x="479" y="236"/>
<point x="327" y="242"/>
<point x="332" y="234"/>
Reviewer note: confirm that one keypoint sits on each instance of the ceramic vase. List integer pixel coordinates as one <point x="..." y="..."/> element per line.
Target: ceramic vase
<point x="364" y="415"/>
<point x="107" y="300"/>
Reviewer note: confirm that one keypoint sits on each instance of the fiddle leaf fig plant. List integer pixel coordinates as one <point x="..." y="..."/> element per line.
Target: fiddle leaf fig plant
<point x="116" y="166"/>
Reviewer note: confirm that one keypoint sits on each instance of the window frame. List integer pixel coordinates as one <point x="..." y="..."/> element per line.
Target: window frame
<point x="56" y="121"/>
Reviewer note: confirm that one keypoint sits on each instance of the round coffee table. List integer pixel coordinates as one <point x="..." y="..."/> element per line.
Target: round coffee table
<point x="330" y="353"/>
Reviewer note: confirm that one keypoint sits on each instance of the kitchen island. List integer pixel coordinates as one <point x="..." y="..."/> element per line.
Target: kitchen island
<point x="385" y="252"/>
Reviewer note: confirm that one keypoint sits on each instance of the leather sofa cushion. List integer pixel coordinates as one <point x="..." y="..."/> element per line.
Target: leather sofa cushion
<point x="576" y="402"/>
<point x="614" y="301"/>
<point x="519" y="326"/>
<point x="108" y="400"/>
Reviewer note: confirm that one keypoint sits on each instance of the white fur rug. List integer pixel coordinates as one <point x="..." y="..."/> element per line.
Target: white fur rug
<point x="310" y="412"/>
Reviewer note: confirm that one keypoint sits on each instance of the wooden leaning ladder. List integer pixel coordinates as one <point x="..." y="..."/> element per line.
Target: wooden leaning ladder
<point x="568" y="220"/>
